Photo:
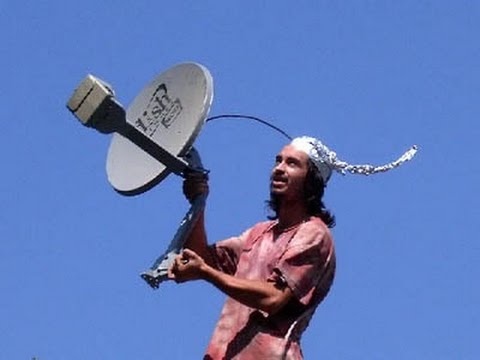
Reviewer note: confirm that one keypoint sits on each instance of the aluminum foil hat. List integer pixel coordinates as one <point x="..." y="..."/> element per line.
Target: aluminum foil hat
<point x="326" y="160"/>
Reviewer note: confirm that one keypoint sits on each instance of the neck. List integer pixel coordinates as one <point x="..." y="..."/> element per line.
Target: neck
<point x="290" y="214"/>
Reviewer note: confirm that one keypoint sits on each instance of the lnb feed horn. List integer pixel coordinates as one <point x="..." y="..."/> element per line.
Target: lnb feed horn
<point x="154" y="136"/>
<point x="94" y="105"/>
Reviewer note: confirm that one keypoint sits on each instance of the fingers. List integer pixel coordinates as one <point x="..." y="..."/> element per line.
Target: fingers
<point x="179" y="262"/>
<point x="170" y="273"/>
<point x="174" y="271"/>
<point x="187" y="257"/>
<point x="186" y="266"/>
<point x="188" y="254"/>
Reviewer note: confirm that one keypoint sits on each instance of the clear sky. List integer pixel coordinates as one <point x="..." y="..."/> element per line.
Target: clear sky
<point x="370" y="78"/>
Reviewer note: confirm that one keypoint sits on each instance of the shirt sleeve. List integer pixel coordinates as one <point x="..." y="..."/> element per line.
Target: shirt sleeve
<point x="308" y="257"/>
<point x="226" y="253"/>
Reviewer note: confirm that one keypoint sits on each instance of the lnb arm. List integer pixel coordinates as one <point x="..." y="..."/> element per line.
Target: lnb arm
<point x="93" y="103"/>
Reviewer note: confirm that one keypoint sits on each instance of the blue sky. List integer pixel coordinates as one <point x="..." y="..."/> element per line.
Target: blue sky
<point x="369" y="78"/>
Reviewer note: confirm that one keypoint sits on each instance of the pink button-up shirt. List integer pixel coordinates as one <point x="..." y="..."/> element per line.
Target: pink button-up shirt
<point x="301" y="257"/>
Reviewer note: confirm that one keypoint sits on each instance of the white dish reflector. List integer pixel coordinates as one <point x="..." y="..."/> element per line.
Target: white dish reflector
<point x="170" y="111"/>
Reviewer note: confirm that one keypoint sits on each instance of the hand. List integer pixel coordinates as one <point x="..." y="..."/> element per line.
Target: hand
<point x="186" y="267"/>
<point x="195" y="184"/>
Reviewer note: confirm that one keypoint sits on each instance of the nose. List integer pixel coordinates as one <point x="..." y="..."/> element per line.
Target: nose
<point x="279" y="167"/>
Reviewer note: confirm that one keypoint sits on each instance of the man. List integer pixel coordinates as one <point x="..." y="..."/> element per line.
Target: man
<point x="276" y="273"/>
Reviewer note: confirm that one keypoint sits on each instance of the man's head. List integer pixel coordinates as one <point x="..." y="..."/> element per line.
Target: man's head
<point x="289" y="174"/>
<point x="295" y="178"/>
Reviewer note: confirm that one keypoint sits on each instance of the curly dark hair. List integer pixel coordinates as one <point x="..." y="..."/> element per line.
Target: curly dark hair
<point x="314" y="190"/>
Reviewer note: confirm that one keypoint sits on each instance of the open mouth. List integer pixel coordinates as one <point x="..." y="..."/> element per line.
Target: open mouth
<point x="278" y="181"/>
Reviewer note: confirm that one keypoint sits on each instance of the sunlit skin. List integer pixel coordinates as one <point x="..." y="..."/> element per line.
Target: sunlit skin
<point x="287" y="184"/>
<point x="289" y="172"/>
<point x="194" y="263"/>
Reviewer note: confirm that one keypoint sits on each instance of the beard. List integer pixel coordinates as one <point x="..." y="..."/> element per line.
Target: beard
<point x="277" y="200"/>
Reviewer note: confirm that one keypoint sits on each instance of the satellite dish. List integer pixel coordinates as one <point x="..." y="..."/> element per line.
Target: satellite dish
<point x="170" y="111"/>
<point x="154" y="136"/>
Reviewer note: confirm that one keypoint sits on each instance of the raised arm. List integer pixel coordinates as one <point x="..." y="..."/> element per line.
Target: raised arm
<point x="196" y="184"/>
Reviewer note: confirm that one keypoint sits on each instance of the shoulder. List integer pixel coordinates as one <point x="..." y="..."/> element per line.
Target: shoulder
<point x="314" y="232"/>
<point x="262" y="226"/>
<point x="248" y="235"/>
<point x="258" y="229"/>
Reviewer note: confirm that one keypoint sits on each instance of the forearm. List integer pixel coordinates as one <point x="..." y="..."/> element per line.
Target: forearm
<point x="197" y="240"/>
<point x="256" y="294"/>
<point x="195" y="185"/>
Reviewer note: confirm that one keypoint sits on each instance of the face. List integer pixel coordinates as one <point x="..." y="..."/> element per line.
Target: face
<point x="289" y="173"/>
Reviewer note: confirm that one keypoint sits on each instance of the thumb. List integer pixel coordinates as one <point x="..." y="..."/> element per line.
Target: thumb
<point x="188" y="254"/>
